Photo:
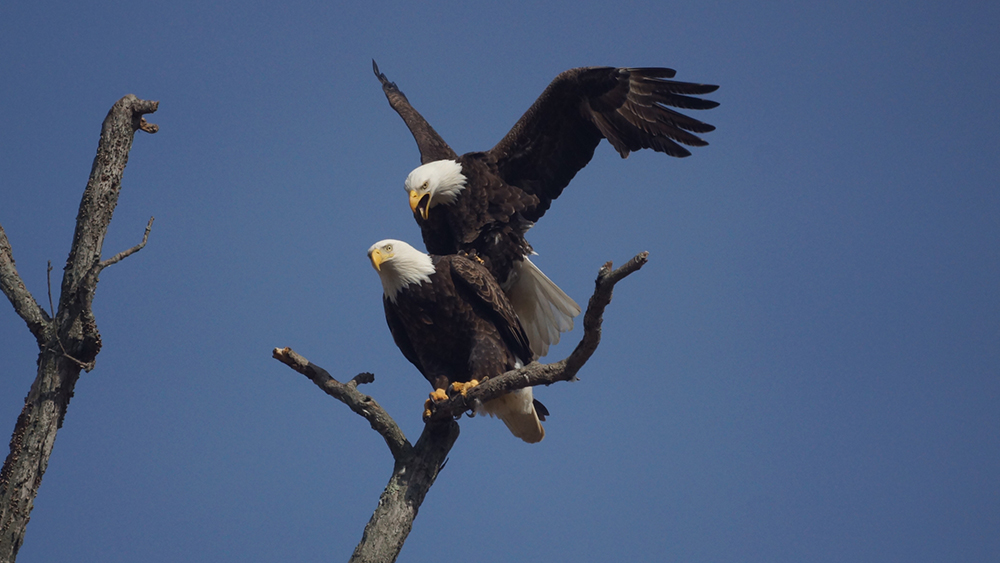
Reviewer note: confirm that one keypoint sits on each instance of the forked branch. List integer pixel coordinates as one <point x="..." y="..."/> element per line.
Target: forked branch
<point x="546" y="374"/>
<point x="417" y="466"/>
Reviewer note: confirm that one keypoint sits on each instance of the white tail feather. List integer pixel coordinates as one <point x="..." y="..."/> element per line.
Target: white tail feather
<point x="543" y="308"/>
<point x="517" y="410"/>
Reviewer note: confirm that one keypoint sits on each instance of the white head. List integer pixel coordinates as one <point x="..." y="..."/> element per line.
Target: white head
<point x="398" y="265"/>
<point x="435" y="183"/>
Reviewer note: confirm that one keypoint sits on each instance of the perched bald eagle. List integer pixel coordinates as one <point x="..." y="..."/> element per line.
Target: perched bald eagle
<point x="453" y="322"/>
<point x="482" y="203"/>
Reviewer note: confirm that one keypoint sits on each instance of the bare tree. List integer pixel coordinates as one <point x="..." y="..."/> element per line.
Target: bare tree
<point x="416" y="466"/>
<point x="68" y="342"/>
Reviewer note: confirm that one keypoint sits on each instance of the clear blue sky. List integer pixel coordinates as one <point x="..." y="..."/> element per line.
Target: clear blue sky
<point x="808" y="369"/>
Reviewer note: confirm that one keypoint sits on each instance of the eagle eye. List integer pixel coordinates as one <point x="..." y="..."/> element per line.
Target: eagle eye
<point x="388" y="248"/>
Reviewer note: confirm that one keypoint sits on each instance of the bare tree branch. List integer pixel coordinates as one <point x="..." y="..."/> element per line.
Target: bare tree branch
<point x="48" y="285"/>
<point x="99" y="201"/>
<point x="414" y="471"/>
<point x="13" y="287"/>
<point x="547" y="374"/>
<point x="69" y="342"/>
<point x="348" y="394"/>
<point x="417" y="467"/>
<point x="129" y="252"/>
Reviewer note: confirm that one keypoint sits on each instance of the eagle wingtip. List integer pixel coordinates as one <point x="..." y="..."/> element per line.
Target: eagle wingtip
<point x="381" y="77"/>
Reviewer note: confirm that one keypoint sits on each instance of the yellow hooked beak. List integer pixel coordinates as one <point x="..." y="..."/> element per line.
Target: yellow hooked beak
<point x="377" y="258"/>
<point x="415" y="199"/>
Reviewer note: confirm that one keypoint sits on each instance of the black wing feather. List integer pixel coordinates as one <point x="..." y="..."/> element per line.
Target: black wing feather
<point x="557" y="136"/>
<point x="476" y="278"/>
<point x="432" y="147"/>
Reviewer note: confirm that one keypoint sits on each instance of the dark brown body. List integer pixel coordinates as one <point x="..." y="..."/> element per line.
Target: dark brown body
<point x="457" y="327"/>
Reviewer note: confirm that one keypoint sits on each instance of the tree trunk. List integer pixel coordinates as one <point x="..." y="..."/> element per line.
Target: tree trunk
<point x="70" y="342"/>
<point x="397" y="507"/>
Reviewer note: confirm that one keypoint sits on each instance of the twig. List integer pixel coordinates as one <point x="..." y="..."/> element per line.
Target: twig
<point x="85" y="366"/>
<point x="348" y="394"/>
<point x="13" y="287"/>
<point x="48" y="280"/>
<point x="125" y="253"/>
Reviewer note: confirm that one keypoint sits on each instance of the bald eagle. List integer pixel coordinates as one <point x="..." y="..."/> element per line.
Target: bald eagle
<point x="453" y="322"/>
<point x="483" y="203"/>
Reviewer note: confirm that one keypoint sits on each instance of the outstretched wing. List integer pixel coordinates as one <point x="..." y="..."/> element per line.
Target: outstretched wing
<point x="478" y="280"/>
<point x="432" y="146"/>
<point x="630" y="107"/>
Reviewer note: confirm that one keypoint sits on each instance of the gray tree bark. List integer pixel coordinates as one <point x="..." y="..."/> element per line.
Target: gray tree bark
<point x="69" y="342"/>
<point x="417" y="466"/>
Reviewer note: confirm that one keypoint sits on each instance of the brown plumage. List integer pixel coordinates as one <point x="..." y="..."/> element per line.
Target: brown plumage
<point x="557" y="136"/>
<point x="495" y="196"/>
<point x="452" y="321"/>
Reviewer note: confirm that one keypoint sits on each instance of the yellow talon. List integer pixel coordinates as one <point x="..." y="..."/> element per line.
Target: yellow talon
<point x="439" y="395"/>
<point x="463" y="388"/>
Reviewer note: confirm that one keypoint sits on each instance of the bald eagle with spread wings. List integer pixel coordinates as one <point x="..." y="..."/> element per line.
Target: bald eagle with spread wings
<point x="451" y="320"/>
<point x="483" y="203"/>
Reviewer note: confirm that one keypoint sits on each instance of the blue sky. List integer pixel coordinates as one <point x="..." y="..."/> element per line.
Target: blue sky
<point x="806" y="370"/>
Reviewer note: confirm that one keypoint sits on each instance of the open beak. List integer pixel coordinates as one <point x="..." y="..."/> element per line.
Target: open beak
<point x="376" y="257"/>
<point x="420" y="204"/>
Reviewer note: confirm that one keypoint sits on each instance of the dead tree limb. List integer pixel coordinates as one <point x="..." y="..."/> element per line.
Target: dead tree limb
<point x="417" y="466"/>
<point x="348" y="394"/>
<point x="69" y="342"/>
<point x="546" y="374"/>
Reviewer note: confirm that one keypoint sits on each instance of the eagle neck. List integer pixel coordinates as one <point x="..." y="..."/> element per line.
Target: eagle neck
<point x="403" y="270"/>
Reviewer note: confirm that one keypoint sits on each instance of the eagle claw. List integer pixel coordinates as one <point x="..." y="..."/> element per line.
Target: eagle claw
<point x="463" y="388"/>
<point x="436" y="397"/>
